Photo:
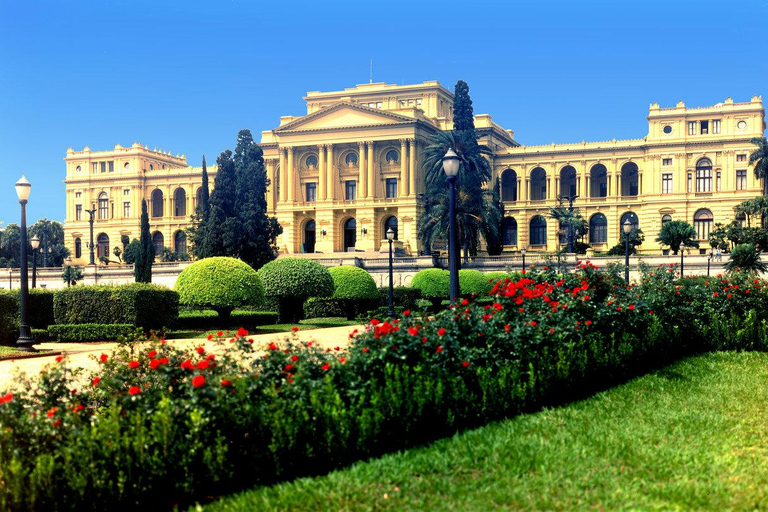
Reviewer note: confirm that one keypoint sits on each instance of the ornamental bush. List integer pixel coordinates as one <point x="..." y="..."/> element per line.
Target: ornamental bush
<point x="355" y="289"/>
<point x="473" y="282"/>
<point x="291" y="281"/>
<point x="220" y="284"/>
<point x="81" y="333"/>
<point x="434" y="283"/>
<point x="39" y="313"/>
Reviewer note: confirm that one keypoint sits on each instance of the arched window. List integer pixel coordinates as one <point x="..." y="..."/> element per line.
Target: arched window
<point x="78" y="248"/>
<point x="351" y="159"/>
<point x="102" y="246"/>
<point x="392" y="157"/>
<point x="157" y="203"/>
<point x="158" y="241"/>
<point x="538" y="184"/>
<point x="509" y="185"/>
<point x="598" y="229"/>
<point x="309" y="236"/>
<point x="704" y="175"/>
<point x="629" y="179"/>
<point x="741" y="218"/>
<point x="179" y="202"/>
<point x="350" y="235"/>
<point x="311" y="161"/>
<point x="665" y="218"/>
<point x="538" y="230"/>
<point x="598" y="181"/>
<point x="180" y="242"/>
<point x="632" y="218"/>
<point x="702" y="223"/>
<point x="103" y="206"/>
<point x="391" y="222"/>
<point x="568" y="181"/>
<point x="509" y="234"/>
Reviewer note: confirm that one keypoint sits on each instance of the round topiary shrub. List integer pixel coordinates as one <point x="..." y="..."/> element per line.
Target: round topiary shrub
<point x="434" y="283"/>
<point x="473" y="282"/>
<point x="291" y="281"/>
<point x="354" y="288"/>
<point x="220" y="284"/>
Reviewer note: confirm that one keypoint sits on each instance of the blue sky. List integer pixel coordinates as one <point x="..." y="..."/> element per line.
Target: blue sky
<point x="186" y="76"/>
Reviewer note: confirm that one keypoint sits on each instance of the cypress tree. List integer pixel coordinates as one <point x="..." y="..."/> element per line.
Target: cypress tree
<point x="206" y="193"/>
<point x="463" y="115"/>
<point x="142" y="268"/>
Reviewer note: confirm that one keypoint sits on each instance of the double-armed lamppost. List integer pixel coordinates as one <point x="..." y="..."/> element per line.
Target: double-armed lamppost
<point x="709" y="261"/>
<point x="390" y="237"/>
<point x="35" y="243"/>
<point x="91" y="213"/>
<point x="522" y="253"/>
<point x="627" y="227"/>
<point x="682" y="263"/>
<point x="451" y="164"/>
<point x="23" y="188"/>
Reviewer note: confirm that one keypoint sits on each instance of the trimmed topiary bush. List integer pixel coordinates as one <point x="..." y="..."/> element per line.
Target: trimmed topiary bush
<point x="9" y="322"/>
<point x="293" y="280"/>
<point x="220" y="284"/>
<point x="355" y="289"/>
<point x="473" y="282"/>
<point x="434" y="283"/>
<point x="81" y="333"/>
<point x="404" y="296"/>
<point x="325" y="307"/>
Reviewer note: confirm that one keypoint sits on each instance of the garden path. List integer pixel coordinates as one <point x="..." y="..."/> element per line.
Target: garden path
<point x="79" y="355"/>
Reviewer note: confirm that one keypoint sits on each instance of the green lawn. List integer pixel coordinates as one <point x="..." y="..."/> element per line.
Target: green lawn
<point x="691" y="436"/>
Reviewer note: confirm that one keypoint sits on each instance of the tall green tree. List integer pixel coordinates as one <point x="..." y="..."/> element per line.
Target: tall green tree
<point x="142" y="267"/>
<point x="463" y="114"/>
<point x="52" y="232"/>
<point x="10" y="246"/>
<point x="746" y="258"/>
<point x="675" y="232"/>
<point x="205" y="203"/>
<point x="759" y="158"/>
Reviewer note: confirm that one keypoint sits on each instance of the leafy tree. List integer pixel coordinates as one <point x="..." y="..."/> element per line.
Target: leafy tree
<point x="124" y="240"/>
<point x="675" y="232"/>
<point x="463" y="114"/>
<point x="53" y="233"/>
<point x="117" y="252"/>
<point x="759" y="158"/>
<point x="745" y="258"/>
<point x="142" y="267"/>
<point x="636" y="239"/>
<point x="71" y="275"/>
<point x="10" y="245"/>
<point x="205" y="204"/>
<point x="569" y="219"/>
<point x="753" y="208"/>
<point x="131" y="252"/>
<point x="718" y="237"/>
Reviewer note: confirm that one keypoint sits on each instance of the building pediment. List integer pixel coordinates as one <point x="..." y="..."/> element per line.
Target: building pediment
<point x="344" y="115"/>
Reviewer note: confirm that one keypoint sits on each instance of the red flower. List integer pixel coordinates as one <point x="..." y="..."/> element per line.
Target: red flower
<point x="294" y="329"/>
<point x="96" y="381"/>
<point x="588" y="322"/>
<point x="226" y="383"/>
<point x="59" y="359"/>
<point x="439" y="349"/>
<point x="618" y="308"/>
<point x="365" y="349"/>
<point x="198" y="381"/>
<point x="78" y="408"/>
<point x="210" y="357"/>
<point x="441" y="332"/>
<point x="210" y="337"/>
<point x="374" y="321"/>
<point x="202" y="365"/>
<point x="7" y="398"/>
<point x="134" y="390"/>
<point x="103" y="358"/>
<point x="163" y="360"/>
<point x="152" y="354"/>
<point x="465" y="364"/>
<point x="133" y="365"/>
<point x="154" y="364"/>
<point x="464" y="302"/>
<point x="187" y="365"/>
<point x="219" y="334"/>
<point x="424" y="339"/>
<point x="272" y="345"/>
<point x="413" y="331"/>
<point x="730" y="295"/>
<point x="533" y="323"/>
<point x="57" y="423"/>
<point x="289" y="367"/>
<point x="342" y="360"/>
<point x="294" y="358"/>
<point x="631" y="307"/>
<point x="200" y="350"/>
<point x="51" y="412"/>
<point x="242" y="333"/>
<point x="325" y="367"/>
<point x="406" y="312"/>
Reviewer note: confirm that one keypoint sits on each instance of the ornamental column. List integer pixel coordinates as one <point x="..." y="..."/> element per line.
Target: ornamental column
<point x="414" y="171"/>
<point x="370" y="189"/>
<point x="404" y="167"/>
<point x="329" y="172"/>
<point x="361" y="170"/>
<point x="270" y="164"/>
<point x="291" y="177"/>
<point x="321" y="174"/>
<point x="283" y="180"/>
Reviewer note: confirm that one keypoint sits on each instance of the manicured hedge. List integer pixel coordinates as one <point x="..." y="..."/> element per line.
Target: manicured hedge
<point x="291" y="281"/>
<point x="143" y="305"/>
<point x="325" y="307"/>
<point x="473" y="282"/>
<point x="209" y="319"/>
<point x="9" y="323"/>
<point x="89" y="332"/>
<point x="39" y="312"/>
<point x="434" y="283"/>
<point x="404" y="296"/>
<point x="352" y="283"/>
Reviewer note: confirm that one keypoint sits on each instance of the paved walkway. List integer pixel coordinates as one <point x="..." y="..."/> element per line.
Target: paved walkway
<point x="81" y="355"/>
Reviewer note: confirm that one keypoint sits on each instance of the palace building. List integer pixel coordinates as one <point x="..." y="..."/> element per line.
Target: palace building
<point x="350" y="169"/>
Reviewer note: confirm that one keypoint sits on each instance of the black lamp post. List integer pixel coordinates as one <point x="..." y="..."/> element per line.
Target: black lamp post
<point x="682" y="263"/>
<point x="390" y="237"/>
<point x="68" y="271"/>
<point x="522" y="253"/>
<point x="627" y="227"/>
<point x="23" y="188"/>
<point x="35" y="243"/>
<point x="91" y="213"/>
<point x="709" y="261"/>
<point x="451" y="164"/>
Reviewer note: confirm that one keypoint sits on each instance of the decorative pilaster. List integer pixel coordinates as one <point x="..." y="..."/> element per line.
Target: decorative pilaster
<point x="404" y="167"/>
<point x="370" y="189"/>
<point x="329" y="172"/>
<point x="361" y="170"/>
<point x="291" y="177"/>
<point x="270" y="165"/>
<point x="283" y="185"/>
<point x="321" y="172"/>
<point x="413" y="168"/>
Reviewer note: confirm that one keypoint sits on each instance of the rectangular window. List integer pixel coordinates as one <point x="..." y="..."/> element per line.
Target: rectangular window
<point x="741" y="158"/>
<point x="704" y="180"/>
<point x="103" y="166"/>
<point x="666" y="183"/>
<point x="95" y="167"/>
<point x="666" y="161"/>
<point x="111" y="166"/>
<point x="391" y="187"/>
<point x="704" y="127"/>
<point x="692" y="128"/>
<point x="127" y="210"/>
<point x="78" y="212"/>
<point x="716" y="126"/>
<point x="350" y="189"/>
<point x="378" y="104"/>
<point x="126" y="192"/>
<point x="690" y="182"/>
<point x="78" y="194"/>
<point x="418" y="101"/>
<point x="311" y="192"/>
<point x="717" y="185"/>
<point x="741" y="180"/>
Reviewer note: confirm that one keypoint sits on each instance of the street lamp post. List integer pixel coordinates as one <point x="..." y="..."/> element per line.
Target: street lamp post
<point x="68" y="270"/>
<point x="390" y="237"/>
<point x="35" y="243"/>
<point x="709" y="261"/>
<point x="682" y="263"/>
<point x="522" y="253"/>
<point x="627" y="227"/>
<point x="23" y="188"/>
<point x="91" y="213"/>
<point x="451" y="164"/>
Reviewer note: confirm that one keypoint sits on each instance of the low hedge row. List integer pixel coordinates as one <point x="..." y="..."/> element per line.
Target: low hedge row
<point x="39" y="313"/>
<point x="89" y="332"/>
<point x="209" y="319"/>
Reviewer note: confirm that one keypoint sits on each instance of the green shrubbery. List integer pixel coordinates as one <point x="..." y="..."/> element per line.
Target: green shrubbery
<point x="9" y="324"/>
<point x="89" y="332"/>
<point x="39" y="313"/>
<point x="325" y="307"/>
<point x="221" y="284"/>
<point x="434" y="284"/>
<point x="209" y="319"/>
<point x="291" y="281"/>
<point x="354" y="289"/>
<point x="473" y="283"/>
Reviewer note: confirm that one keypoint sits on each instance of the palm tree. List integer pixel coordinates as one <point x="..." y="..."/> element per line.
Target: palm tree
<point x="745" y="258"/>
<point x="759" y="158"/>
<point x="476" y="213"/>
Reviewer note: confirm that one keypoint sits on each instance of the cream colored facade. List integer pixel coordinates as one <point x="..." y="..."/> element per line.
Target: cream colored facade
<point x="351" y="167"/>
